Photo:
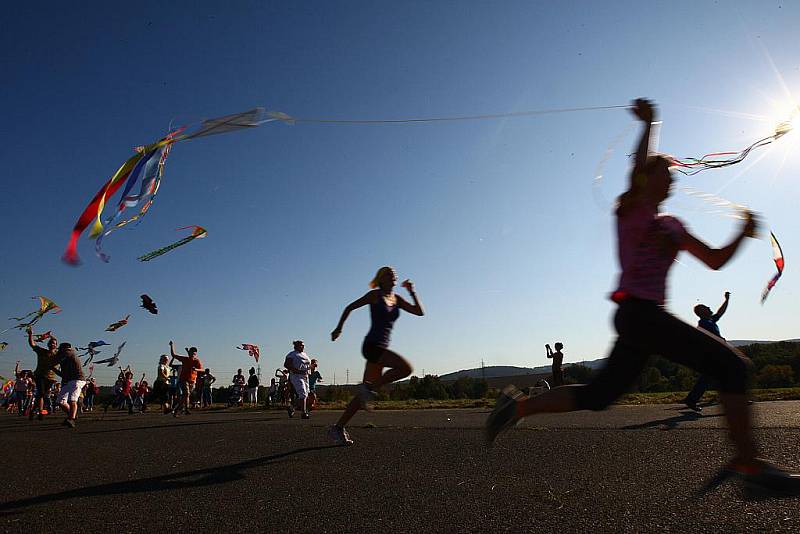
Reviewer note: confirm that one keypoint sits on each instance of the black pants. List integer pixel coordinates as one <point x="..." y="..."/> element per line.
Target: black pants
<point x="646" y="329"/>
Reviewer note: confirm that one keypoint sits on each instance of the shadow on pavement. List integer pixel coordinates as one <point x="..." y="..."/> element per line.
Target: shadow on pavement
<point x="671" y="422"/>
<point x="173" y="481"/>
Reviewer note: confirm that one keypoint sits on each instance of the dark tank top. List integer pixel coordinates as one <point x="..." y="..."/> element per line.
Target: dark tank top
<point x="383" y="318"/>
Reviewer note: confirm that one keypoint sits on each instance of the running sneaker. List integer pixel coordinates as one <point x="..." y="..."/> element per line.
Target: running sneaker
<point x="367" y="396"/>
<point x="290" y="411"/>
<point x="69" y="422"/>
<point x="693" y="406"/>
<point x="504" y="415"/>
<point x="339" y="435"/>
<point x="305" y="415"/>
<point x="760" y="479"/>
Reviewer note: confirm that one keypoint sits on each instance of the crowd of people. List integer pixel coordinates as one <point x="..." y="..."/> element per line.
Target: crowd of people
<point x="181" y="384"/>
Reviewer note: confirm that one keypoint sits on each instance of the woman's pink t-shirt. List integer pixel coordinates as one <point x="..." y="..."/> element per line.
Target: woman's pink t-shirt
<point x="648" y="243"/>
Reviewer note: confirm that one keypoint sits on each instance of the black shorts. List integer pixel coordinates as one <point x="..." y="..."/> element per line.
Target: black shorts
<point x="159" y="393"/>
<point x="43" y="385"/>
<point x="372" y="352"/>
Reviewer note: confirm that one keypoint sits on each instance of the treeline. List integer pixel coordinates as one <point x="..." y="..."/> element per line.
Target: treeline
<point x="776" y="365"/>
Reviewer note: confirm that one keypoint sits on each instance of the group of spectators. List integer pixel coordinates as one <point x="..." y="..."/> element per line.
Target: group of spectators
<point x="181" y="384"/>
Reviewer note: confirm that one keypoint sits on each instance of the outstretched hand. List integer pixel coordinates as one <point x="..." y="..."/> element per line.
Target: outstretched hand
<point x="644" y="109"/>
<point x="727" y="295"/>
<point x="335" y="334"/>
<point x="409" y="285"/>
<point x="751" y="224"/>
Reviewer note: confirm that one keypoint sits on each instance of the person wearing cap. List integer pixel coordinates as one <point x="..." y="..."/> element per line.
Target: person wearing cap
<point x="298" y="363"/>
<point x="187" y="378"/>
<point x="72" y="382"/>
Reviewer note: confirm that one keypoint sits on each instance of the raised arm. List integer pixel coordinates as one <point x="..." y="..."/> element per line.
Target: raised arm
<point x="548" y="350"/>
<point x="716" y="258"/>
<point x="416" y="307"/>
<point x="29" y="331"/>
<point x="722" y="309"/>
<point x="645" y="111"/>
<point x="172" y="350"/>
<point x="369" y="298"/>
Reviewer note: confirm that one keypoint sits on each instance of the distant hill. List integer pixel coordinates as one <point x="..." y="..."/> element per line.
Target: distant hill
<point x="744" y="342"/>
<point x="496" y="371"/>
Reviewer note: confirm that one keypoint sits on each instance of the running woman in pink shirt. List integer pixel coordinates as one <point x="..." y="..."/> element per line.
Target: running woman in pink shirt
<point x="648" y="242"/>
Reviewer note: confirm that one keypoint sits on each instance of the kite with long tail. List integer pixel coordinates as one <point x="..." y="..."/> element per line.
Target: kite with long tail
<point x="716" y="160"/>
<point x="198" y="233"/>
<point x="45" y="306"/>
<point x="146" y="167"/>
<point x="777" y="256"/>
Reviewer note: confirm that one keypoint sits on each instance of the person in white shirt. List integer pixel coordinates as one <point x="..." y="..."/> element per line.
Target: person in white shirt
<point x="298" y="364"/>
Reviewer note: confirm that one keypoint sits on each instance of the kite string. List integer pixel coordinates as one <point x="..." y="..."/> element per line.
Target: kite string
<point x="289" y="119"/>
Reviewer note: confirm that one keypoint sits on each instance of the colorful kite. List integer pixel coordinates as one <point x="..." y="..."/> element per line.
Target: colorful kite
<point x="90" y="350"/>
<point x="38" y="338"/>
<point x="777" y="256"/>
<point x="113" y="327"/>
<point x="253" y="350"/>
<point x="198" y="233"/>
<point x="716" y="160"/>
<point x="149" y="305"/>
<point x="45" y="305"/>
<point x="147" y="168"/>
<point x="115" y="358"/>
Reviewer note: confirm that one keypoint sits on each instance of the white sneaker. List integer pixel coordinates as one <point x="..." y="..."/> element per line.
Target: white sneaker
<point x="339" y="435"/>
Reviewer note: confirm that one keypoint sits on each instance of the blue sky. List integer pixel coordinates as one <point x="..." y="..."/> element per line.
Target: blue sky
<point x="496" y="221"/>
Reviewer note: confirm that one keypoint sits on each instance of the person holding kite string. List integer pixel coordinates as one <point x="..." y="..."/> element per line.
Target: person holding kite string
<point x="384" y="309"/>
<point x="44" y="375"/>
<point x="708" y="322"/>
<point x="648" y="242"/>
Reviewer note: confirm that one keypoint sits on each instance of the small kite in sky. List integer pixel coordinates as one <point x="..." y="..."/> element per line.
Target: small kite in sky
<point x="149" y="305"/>
<point x="90" y="350"/>
<point x="115" y="358"/>
<point x="253" y="350"/>
<point x="113" y="327"/>
<point x="146" y="167"/>
<point x="777" y="256"/>
<point x="45" y="305"/>
<point x="198" y="233"/>
<point x="3" y="345"/>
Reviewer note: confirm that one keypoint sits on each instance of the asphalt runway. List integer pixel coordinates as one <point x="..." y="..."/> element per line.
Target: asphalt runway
<point x="627" y="469"/>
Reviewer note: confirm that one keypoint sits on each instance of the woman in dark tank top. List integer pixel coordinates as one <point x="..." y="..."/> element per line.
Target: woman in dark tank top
<point x="384" y="309"/>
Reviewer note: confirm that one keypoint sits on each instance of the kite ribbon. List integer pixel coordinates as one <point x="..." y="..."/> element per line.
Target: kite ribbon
<point x="777" y="256"/>
<point x="93" y="211"/>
